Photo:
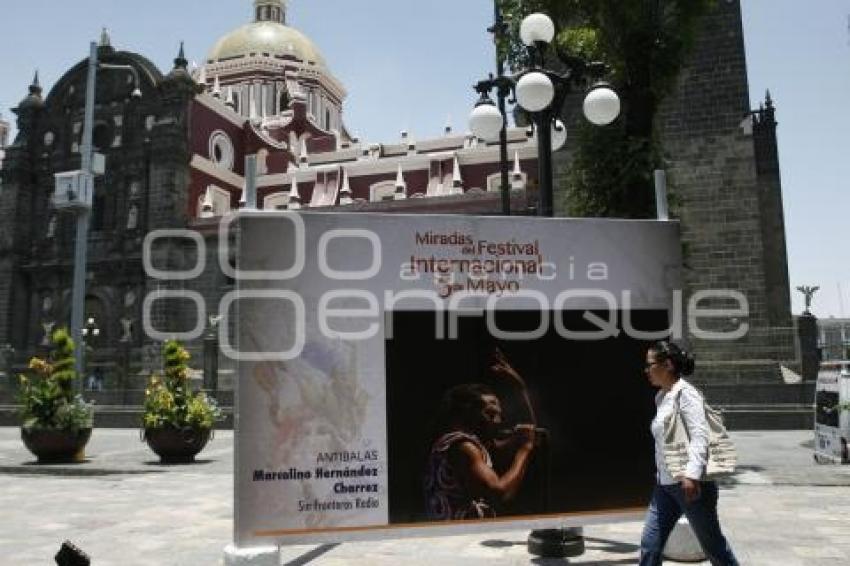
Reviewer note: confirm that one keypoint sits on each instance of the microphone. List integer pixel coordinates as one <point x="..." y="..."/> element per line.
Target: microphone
<point x="505" y="432"/>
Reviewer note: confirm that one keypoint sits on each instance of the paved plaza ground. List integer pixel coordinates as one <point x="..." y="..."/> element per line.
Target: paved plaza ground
<point x="123" y="508"/>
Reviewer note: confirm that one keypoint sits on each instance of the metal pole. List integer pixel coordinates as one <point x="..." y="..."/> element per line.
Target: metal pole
<point x="78" y="299"/>
<point x="661" y="195"/>
<point x="211" y="361"/>
<point x="251" y="182"/>
<point x="550" y="543"/>
<point x="502" y="95"/>
<point x="544" y="157"/>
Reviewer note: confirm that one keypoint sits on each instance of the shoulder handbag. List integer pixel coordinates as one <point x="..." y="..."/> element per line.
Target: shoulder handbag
<point x="722" y="457"/>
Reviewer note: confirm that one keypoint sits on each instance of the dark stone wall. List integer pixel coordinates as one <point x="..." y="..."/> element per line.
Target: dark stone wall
<point x="8" y="204"/>
<point x="807" y="329"/>
<point x="729" y="201"/>
<point x="725" y="188"/>
<point x="773" y="217"/>
<point x="144" y="187"/>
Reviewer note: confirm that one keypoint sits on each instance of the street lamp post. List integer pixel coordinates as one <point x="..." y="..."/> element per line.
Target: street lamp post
<point x="74" y="192"/>
<point x="78" y="293"/>
<point x="542" y="92"/>
<point x="90" y="329"/>
<point x="499" y="28"/>
<point x="496" y="118"/>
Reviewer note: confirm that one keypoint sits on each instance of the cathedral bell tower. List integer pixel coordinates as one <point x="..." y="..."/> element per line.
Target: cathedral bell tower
<point x="270" y="11"/>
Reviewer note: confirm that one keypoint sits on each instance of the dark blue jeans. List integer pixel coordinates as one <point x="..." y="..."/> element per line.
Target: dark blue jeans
<point x="667" y="506"/>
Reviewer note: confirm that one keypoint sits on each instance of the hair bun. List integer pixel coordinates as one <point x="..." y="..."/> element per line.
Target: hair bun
<point x="683" y="361"/>
<point x="687" y="364"/>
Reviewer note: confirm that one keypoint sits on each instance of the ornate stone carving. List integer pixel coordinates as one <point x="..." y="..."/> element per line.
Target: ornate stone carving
<point x="129" y="298"/>
<point x="51" y="227"/>
<point x="48" y="332"/>
<point x="133" y="217"/>
<point x="127" y="330"/>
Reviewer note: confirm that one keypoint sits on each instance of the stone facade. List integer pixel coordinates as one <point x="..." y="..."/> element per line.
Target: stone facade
<point x="723" y="169"/>
<point x="144" y="188"/>
<point x="175" y="159"/>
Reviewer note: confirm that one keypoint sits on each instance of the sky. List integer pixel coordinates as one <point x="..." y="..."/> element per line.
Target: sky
<point x="409" y="65"/>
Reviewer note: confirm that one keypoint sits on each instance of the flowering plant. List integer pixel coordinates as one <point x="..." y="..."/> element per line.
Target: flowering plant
<point x="47" y="390"/>
<point x="169" y="399"/>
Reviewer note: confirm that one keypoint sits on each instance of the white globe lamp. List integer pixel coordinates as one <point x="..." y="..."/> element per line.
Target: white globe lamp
<point x="602" y="105"/>
<point x="535" y="91"/>
<point x="537" y="28"/>
<point x="486" y="121"/>
<point x="559" y="135"/>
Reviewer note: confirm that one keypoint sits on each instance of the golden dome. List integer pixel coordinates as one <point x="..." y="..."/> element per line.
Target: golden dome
<point x="266" y="38"/>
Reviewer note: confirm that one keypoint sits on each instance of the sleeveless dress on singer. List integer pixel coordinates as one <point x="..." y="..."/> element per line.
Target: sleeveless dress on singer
<point x="447" y="497"/>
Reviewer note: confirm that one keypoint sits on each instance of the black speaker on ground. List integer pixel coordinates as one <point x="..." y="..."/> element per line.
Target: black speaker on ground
<point x="70" y="555"/>
<point x="556" y="543"/>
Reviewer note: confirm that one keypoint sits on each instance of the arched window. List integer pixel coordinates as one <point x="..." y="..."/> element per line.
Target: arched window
<point x="102" y="137"/>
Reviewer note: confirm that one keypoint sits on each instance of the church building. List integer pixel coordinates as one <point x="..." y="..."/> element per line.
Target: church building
<point x="176" y="158"/>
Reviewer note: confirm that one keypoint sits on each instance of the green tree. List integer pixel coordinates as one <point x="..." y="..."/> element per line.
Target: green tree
<point x="645" y="44"/>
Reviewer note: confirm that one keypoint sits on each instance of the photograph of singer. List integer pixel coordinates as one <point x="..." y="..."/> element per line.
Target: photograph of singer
<point x="478" y="461"/>
<point x="564" y="420"/>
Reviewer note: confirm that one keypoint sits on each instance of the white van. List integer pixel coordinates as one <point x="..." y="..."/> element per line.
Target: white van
<point x="832" y="424"/>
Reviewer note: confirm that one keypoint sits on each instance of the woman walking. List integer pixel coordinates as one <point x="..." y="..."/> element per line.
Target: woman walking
<point x="666" y="363"/>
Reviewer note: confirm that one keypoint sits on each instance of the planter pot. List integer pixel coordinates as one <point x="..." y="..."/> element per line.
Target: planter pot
<point x="177" y="445"/>
<point x="52" y="446"/>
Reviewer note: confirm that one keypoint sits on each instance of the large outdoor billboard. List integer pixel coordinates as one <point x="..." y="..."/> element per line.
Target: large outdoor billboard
<point x="421" y="374"/>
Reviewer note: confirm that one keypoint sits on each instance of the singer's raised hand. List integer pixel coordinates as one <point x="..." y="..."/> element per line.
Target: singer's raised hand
<point x="501" y="368"/>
